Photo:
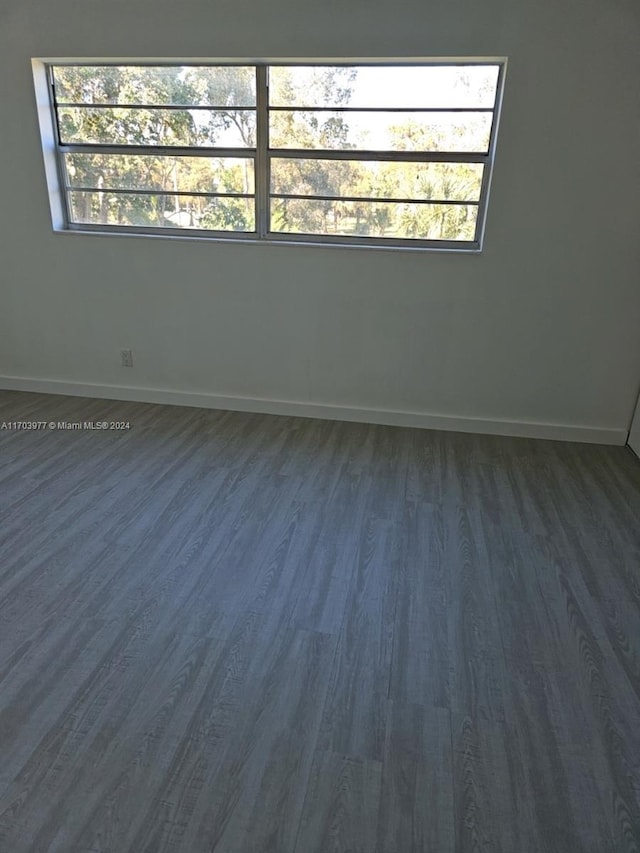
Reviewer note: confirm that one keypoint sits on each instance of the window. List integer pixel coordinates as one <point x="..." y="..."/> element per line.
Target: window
<point x="361" y="154"/>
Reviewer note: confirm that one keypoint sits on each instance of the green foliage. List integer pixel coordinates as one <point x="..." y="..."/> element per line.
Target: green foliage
<point x="228" y="214"/>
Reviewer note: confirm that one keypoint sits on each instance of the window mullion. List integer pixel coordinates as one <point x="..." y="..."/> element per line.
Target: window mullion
<point x="387" y="156"/>
<point x="262" y="158"/>
<point x="154" y="150"/>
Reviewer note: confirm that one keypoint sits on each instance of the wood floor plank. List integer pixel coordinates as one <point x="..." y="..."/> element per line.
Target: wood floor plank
<point x="416" y="803"/>
<point x="341" y="806"/>
<point x="256" y="795"/>
<point x="421" y="665"/>
<point x="477" y="666"/>
<point x="354" y="718"/>
<point x="496" y="807"/>
<point x="113" y="750"/>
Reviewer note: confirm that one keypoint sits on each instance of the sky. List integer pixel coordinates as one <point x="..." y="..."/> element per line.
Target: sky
<point x="412" y="86"/>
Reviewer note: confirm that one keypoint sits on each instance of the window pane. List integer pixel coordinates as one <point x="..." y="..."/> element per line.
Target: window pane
<point x="229" y="86"/>
<point x="121" y="126"/>
<point x="148" y="172"/>
<point x="371" y="140"/>
<point x="377" y="179"/>
<point x="162" y="211"/>
<point x="468" y="132"/>
<point x="383" y="86"/>
<point x="374" y="219"/>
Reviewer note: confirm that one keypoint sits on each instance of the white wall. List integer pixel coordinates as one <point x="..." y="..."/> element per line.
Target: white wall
<point x="540" y="328"/>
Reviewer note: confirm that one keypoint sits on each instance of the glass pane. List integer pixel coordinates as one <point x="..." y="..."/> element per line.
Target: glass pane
<point x="229" y="86"/>
<point x="147" y="172"/>
<point x="383" y="86"/>
<point x="468" y="132"/>
<point x="121" y="126"/>
<point x="377" y="179"/>
<point x="374" y="219"/>
<point x="162" y="211"/>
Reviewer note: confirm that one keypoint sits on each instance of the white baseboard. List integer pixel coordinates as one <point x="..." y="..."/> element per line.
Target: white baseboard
<point x="423" y="420"/>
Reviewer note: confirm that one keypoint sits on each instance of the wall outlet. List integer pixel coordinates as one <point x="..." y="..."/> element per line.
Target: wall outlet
<point x="126" y="357"/>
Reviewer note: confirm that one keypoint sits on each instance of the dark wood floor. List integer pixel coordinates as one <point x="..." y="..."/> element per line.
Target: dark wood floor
<point x="236" y="633"/>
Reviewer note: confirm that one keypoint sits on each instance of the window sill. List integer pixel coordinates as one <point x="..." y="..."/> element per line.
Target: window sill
<point x="325" y="243"/>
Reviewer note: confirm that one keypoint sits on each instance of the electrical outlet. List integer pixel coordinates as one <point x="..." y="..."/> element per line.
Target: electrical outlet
<point x="126" y="357"/>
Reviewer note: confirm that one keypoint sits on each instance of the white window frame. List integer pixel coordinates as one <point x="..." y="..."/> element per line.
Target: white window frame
<point x="54" y="149"/>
